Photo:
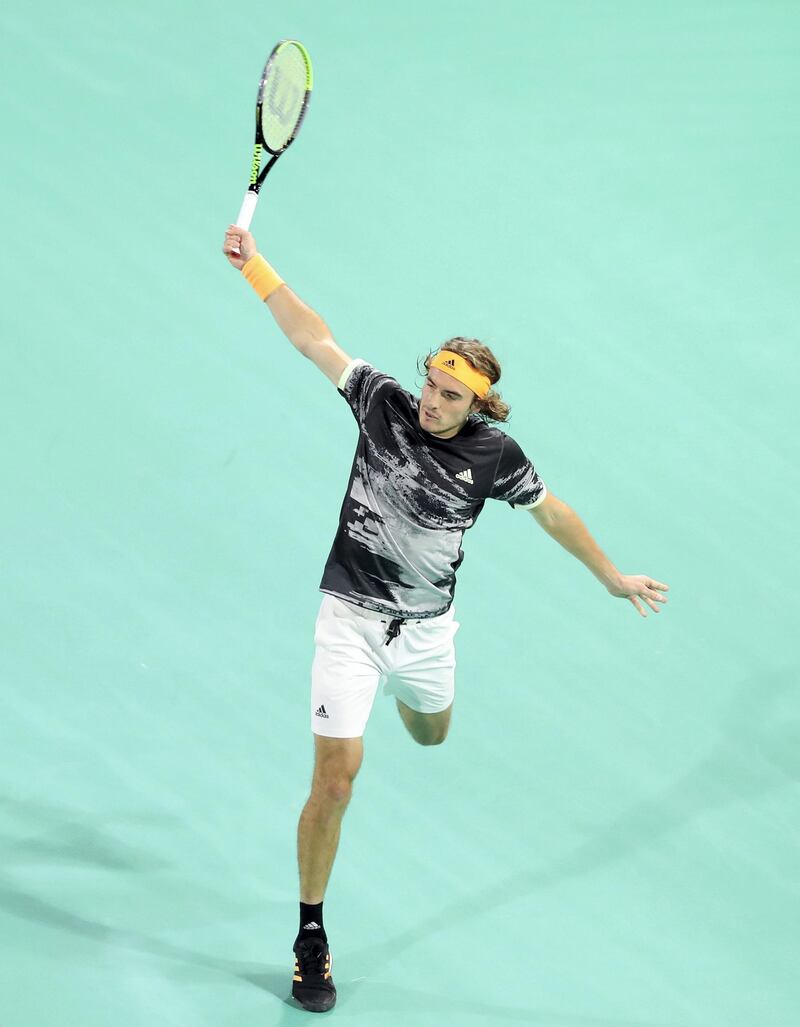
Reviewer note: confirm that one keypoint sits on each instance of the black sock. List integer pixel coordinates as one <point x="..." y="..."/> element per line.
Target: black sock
<point x="311" y="922"/>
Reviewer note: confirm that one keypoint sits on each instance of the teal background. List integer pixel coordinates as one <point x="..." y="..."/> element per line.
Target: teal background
<point x="604" y="192"/>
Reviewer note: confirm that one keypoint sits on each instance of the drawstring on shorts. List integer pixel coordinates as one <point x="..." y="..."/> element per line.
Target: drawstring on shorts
<point x="394" y="629"/>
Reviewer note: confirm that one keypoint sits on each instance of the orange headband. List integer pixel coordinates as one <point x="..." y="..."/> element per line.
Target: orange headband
<point x="457" y="367"/>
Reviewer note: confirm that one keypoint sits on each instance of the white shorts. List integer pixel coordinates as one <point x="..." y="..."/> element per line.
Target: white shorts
<point x="352" y="659"/>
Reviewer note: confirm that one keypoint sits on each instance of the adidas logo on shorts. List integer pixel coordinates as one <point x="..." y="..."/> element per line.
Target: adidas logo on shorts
<point x="321" y="713"/>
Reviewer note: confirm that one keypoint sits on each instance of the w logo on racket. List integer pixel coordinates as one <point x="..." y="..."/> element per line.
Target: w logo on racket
<point x="283" y="98"/>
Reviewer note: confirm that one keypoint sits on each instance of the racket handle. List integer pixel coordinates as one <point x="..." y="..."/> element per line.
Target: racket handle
<point x="247" y="210"/>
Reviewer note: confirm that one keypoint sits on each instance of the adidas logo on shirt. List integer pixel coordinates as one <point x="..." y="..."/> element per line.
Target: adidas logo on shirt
<point x="321" y="713"/>
<point x="466" y="476"/>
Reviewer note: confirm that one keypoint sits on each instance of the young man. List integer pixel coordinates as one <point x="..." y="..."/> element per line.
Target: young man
<point x="422" y="471"/>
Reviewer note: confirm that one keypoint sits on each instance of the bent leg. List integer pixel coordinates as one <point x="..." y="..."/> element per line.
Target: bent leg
<point x="336" y="763"/>
<point x="426" y="728"/>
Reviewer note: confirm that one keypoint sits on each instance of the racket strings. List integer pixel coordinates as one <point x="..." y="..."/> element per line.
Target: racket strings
<point x="284" y="95"/>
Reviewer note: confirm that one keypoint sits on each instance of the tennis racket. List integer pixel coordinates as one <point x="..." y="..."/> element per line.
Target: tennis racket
<point x="283" y="95"/>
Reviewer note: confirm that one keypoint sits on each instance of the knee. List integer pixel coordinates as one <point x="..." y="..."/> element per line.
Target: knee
<point x="333" y="787"/>
<point x="432" y="739"/>
<point x="336" y="763"/>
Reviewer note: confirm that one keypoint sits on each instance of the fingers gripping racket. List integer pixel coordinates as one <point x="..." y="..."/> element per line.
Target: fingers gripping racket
<point x="283" y="95"/>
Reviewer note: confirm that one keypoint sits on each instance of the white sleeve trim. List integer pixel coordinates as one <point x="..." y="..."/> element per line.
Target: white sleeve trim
<point x="530" y="506"/>
<point x="347" y="371"/>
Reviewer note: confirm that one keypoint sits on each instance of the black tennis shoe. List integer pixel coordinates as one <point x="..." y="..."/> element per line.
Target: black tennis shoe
<point x="312" y="984"/>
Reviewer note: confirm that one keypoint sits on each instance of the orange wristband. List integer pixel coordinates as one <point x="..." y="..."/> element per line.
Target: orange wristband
<point x="264" y="279"/>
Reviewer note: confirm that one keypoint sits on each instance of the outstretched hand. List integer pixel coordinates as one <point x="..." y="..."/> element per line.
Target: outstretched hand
<point x="634" y="587"/>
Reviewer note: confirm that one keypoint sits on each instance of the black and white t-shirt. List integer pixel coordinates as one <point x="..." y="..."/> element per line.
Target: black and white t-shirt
<point x="410" y="498"/>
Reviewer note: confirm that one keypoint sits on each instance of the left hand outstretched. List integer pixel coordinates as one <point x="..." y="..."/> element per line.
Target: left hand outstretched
<point x="638" y="586"/>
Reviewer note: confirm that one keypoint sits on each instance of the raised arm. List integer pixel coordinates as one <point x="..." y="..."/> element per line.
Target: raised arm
<point x="301" y="325"/>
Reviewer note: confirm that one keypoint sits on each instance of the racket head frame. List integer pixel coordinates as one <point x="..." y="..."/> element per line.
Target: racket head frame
<point x="257" y="177"/>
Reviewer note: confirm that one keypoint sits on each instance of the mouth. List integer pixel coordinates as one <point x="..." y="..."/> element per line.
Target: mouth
<point x="429" y="416"/>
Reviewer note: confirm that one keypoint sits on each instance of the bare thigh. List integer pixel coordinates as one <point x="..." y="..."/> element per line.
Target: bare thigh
<point x="336" y="763"/>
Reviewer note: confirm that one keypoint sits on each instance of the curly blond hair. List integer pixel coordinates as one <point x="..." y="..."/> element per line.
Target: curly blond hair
<point x="491" y="407"/>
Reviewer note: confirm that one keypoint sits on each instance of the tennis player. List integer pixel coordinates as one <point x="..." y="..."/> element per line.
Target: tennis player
<point x="422" y="471"/>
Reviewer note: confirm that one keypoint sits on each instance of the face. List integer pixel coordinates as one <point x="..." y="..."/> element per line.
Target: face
<point x="445" y="404"/>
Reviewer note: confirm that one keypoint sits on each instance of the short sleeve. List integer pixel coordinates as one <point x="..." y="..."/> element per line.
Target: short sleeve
<point x="361" y="384"/>
<point x="516" y="481"/>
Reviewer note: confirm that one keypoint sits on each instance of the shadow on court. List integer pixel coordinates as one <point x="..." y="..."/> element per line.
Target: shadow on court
<point x="758" y="753"/>
<point x="70" y="836"/>
<point x="184" y="963"/>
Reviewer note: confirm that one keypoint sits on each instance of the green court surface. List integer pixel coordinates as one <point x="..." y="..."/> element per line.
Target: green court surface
<point x="605" y="193"/>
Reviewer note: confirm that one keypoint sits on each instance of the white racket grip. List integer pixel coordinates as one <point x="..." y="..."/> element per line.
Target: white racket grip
<point x="247" y="210"/>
